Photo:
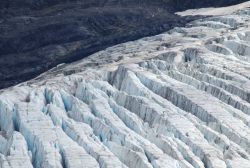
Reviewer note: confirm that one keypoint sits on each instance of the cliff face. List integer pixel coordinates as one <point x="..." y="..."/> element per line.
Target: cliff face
<point x="37" y="35"/>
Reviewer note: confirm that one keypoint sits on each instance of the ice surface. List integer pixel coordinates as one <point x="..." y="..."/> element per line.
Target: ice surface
<point x="216" y="11"/>
<point x="180" y="99"/>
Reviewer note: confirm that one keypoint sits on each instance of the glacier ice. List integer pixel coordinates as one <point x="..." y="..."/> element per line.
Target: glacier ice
<point x="180" y="99"/>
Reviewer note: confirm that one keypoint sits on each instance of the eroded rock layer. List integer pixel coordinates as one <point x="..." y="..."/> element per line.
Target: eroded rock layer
<point x="176" y="100"/>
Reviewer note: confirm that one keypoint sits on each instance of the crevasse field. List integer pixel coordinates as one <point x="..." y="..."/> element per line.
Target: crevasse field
<point x="180" y="99"/>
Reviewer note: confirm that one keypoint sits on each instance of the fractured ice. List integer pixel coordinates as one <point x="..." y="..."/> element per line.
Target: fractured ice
<point x="180" y="99"/>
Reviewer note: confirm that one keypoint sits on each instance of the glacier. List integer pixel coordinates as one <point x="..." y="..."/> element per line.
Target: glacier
<point x="180" y="99"/>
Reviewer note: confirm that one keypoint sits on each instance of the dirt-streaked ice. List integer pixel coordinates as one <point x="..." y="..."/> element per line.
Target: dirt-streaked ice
<point x="180" y="99"/>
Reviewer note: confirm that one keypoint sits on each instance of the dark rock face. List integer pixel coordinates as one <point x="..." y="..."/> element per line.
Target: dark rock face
<point x="37" y="35"/>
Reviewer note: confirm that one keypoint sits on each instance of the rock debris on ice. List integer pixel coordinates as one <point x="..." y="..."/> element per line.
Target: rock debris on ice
<point x="180" y="99"/>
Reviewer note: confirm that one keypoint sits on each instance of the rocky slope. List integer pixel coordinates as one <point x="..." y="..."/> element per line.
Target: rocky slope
<point x="36" y="35"/>
<point x="180" y="99"/>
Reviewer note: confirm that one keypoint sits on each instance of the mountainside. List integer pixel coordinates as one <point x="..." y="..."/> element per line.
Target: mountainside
<point x="180" y="99"/>
<point x="171" y="4"/>
<point x="36" y="35"/>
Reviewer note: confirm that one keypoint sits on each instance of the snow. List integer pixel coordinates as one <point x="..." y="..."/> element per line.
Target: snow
<point x="180" y="99"/>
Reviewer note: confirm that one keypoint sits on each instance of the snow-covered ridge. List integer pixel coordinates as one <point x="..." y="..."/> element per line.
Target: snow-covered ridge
<point x="177" y="100"/>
